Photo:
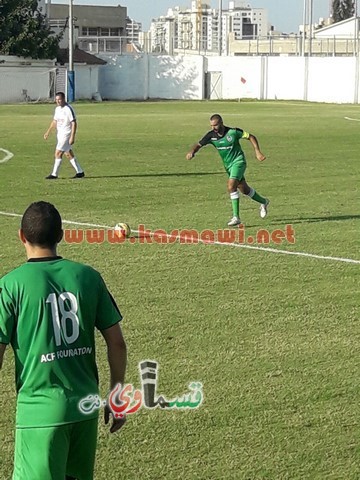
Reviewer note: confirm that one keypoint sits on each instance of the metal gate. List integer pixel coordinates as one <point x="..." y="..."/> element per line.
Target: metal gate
<point x="213" y="85"/>
<point x="60" y="82"/>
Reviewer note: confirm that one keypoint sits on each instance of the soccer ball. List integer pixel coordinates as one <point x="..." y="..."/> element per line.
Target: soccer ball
<point x="122" y="230"/>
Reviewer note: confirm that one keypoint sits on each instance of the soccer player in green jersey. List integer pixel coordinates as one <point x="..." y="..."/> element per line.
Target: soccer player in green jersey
<point x="50" y="308"/>
<point x="227" y="142"/>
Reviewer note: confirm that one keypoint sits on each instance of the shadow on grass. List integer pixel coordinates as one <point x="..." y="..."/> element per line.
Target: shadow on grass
<point x="189" y="174"/>
<point x="279" y="222"/>
<point x="327" y="218"/>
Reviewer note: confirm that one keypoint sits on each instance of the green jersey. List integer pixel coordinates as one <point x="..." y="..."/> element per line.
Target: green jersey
<point x="227" y="144"/>
<point x="49" y="309"/>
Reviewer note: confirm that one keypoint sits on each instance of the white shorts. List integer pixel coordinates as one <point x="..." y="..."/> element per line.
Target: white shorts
<point x="63" y="144"/>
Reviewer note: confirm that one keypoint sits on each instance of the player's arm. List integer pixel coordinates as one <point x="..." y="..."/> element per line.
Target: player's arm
<point x="7" y="318"/>
<point x="254" y="142"/>
<point x="2" y="351"/>
<point x="73" y="132"/>
<point x="117" y="355"/>
<point x="107" y="321"/>
<point x="193" y="151"/>
<point x="204" y="141"/>
<point x="52" y="125"/>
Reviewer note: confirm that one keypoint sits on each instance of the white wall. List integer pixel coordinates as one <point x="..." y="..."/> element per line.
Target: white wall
<point x="333" y="80"/>
<point x="176" y="77"/>
<point x="128" y="77"/>
<point x="284" y="78"/>
<point x="345" y="29"/>
<point x="316" y="79"/>
<point x="235" y="68"/>
<point x="124" y="77"/>
<point x="86" y="81"/>
<point x="146" y="76"/>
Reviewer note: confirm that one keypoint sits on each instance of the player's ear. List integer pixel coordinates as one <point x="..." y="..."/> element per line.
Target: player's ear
<point x="22" y="236"/>
<point x="61" y="234"/>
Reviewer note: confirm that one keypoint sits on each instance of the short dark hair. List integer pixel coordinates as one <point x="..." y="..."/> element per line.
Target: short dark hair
<point x="41" y="224"/>
<point x="216" y="116"/>
<point x="60" y="94"/>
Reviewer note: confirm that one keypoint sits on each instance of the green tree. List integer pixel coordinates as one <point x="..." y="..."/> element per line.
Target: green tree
<point x="342" y="9"/>
<point x="24" y="31"/>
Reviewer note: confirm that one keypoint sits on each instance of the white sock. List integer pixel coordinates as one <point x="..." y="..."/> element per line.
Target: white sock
<point x="57" y="163"/>
<point x="251" y="193"/>
<point x="76" y="165"/>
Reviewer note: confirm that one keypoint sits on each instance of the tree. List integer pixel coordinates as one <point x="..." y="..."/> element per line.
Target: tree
<point x="342" y="9"/>
<point x="24" y="31"/>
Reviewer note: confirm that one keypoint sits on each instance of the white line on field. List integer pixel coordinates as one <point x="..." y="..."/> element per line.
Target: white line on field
<point x="236" y="245"/>
<point x="7" y="156"/>
<point x="353" y="119"/>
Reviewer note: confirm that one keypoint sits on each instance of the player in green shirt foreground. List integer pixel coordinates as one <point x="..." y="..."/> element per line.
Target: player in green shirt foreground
<point x="227" y="142"/>
<point x="49" y="310"/>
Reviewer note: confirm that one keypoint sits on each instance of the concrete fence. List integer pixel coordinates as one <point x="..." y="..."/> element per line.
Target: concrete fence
<point x="190" y="77"/>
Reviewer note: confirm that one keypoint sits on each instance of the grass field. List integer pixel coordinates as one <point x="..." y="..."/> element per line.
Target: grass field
<point x="274" y="338"/>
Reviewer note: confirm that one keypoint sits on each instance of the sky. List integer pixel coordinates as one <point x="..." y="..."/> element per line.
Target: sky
<point x="284" y="15"/>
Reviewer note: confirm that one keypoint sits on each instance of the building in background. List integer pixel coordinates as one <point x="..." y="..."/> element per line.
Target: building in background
<point x="238" y="29"/>
<point x="198" y="28"/>
<point x="245" y="22"/>
<point x="133" y="29"/>
<point x="97" y="29"/>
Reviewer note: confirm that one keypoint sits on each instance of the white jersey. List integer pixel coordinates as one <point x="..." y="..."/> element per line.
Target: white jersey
<point x="64" y="116"/>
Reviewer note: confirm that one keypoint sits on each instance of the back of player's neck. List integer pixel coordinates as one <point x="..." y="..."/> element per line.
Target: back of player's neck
<point x="37" y="252"/>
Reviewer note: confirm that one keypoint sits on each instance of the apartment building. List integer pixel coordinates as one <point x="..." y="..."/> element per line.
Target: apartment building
<point x="96" y="28"/>
<point x="133" y="30"/>
<point x="246" y="22"/>
<point x="198" y="28"/>
<point x="185" y="29"/>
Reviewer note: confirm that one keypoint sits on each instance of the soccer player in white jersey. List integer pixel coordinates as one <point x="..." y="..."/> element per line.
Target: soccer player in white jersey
<point x="65" y="122"/>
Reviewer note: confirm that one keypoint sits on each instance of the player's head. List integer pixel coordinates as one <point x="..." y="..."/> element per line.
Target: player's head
<point x="41" y="225"/>
<point x="216" y="123"/>
<point x="60" y="99"/>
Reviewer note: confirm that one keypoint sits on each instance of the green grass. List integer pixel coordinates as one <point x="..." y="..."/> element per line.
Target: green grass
<point x="273" y="338"/>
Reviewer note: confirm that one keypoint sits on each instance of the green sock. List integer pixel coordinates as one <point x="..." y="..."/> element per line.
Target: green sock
<point x="235" y="203"/>
<point x="255" y="196"/>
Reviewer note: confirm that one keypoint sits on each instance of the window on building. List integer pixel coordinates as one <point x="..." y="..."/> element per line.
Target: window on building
<point x="250" y="30"/>
<point x="89" y="32"/>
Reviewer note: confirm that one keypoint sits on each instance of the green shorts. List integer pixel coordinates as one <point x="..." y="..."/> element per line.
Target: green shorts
<point x="50" y="453"/>
<point x="237" y="170"/>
